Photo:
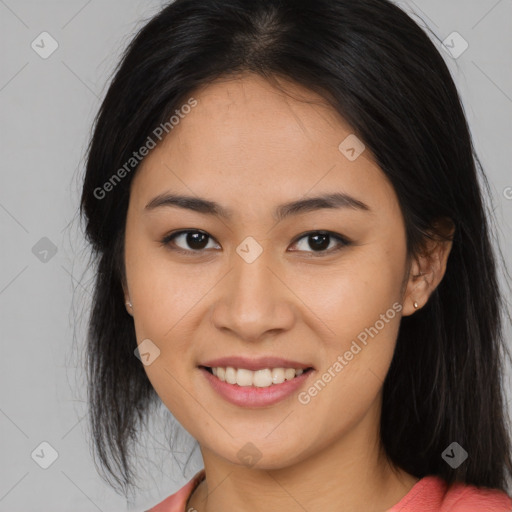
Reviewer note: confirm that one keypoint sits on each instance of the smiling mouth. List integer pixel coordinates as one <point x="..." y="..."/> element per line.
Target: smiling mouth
<point x="266" y="377"/>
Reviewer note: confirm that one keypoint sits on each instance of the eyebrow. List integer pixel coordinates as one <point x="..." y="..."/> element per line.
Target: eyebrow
<point x="205" y="206"/>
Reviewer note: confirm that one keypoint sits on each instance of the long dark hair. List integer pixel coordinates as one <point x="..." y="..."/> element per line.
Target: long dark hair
<point x="384" y="75"/>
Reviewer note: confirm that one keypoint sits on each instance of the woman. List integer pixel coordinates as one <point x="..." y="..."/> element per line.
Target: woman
<point x="283" y="200"/>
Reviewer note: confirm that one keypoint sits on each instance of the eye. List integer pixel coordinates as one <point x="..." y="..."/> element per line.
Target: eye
<point x="318" y="241"/>
<point x="197" y="240"/>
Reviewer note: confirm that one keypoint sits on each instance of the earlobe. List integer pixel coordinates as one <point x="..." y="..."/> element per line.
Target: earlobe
<point x="427" y="270"/>
<point x="416" y="294"/>
<point x="127" y="301"/>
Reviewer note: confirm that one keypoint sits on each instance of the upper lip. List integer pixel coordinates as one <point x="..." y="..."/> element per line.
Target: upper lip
<point x="254" y="364"/>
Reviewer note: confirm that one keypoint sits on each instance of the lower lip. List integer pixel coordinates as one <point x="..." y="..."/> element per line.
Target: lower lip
<point x="252" y="396"/>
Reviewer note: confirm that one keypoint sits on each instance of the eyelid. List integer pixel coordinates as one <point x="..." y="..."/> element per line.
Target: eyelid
<point x="167" y="241"/>
<point x="332" y="234"/>
<point x="342" y="240"/>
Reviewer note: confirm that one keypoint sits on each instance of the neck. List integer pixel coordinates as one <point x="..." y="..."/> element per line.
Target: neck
<point x="347" y="474"/>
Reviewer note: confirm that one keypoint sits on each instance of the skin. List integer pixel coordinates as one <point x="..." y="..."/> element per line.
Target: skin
<point x="250" y="147"/>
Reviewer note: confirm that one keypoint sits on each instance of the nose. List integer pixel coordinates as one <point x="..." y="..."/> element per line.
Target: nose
<point x="254" y="301"/>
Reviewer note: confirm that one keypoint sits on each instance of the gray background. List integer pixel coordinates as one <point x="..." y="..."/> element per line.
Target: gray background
<point x="47" y="108"/>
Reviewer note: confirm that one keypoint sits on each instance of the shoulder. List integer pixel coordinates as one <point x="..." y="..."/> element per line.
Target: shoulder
<point x="463" y="497"/>
<point x="177" y="501"/>
<point x="432" y="494"/>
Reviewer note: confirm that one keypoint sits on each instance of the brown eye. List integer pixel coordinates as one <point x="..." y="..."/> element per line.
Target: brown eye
<point x="191" y="240"/>
<point x="195" y="241"/>
<point x="319" y="241"/>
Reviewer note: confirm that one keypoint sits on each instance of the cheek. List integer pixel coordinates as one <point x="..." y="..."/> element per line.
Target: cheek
<point x="164" y="301"/>
<point x="162" y="291"/>
<point x="359" y="310"/>
<point x="163" y="296"/>
<point x="354" y="294"/>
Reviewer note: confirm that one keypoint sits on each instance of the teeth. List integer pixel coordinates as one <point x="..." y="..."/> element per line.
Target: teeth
<point x="259" y="378"/>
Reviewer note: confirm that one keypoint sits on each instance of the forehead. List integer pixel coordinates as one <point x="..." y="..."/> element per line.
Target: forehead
<point x="247" y="112"/>
<point x="253" y="142"/>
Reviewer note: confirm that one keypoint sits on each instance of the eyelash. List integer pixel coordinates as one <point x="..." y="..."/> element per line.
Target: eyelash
<point x="344" y="242"/>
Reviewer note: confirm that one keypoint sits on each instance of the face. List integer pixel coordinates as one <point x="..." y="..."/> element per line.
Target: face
<point x="318" y="286"/>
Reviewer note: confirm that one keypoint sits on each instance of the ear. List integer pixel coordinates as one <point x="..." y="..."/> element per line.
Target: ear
<point x="427" y="268"/>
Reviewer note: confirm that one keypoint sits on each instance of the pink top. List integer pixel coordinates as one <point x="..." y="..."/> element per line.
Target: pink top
<point x="429" y="494"/>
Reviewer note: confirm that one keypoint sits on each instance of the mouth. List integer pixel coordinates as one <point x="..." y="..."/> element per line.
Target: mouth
<point x="259" y="388"/>
<point x="262" y="378"/>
